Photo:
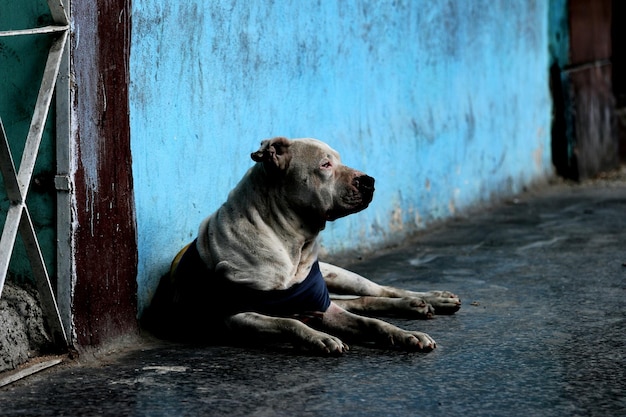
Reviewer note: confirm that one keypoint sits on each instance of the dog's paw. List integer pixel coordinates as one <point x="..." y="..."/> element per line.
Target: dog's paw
<point x="444" y="302"/>
<point x="412" y="340"/>
<point x="412" y="307"/>
<point x="326" y="344"/>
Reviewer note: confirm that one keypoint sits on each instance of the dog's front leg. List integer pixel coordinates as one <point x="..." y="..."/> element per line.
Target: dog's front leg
<point x="284" y="329"/>
<point x="339" y="321"/>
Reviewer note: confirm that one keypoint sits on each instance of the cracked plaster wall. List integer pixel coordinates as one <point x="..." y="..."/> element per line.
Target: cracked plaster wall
<point x="445" y="103"/>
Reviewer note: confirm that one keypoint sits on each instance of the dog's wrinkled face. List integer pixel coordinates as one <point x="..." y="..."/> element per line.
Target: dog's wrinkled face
<point x="315" y="182"/>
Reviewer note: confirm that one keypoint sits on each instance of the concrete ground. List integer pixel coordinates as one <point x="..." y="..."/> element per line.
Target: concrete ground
<point x="542" y="332"/>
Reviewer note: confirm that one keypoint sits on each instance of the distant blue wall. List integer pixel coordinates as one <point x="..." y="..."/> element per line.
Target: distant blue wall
<point x="445" y="103"/>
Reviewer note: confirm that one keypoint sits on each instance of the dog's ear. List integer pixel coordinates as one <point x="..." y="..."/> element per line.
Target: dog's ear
<point x="274" y="153"/>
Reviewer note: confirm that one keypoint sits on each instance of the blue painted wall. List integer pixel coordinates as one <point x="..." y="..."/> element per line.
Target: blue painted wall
<point x="446" y="103"/>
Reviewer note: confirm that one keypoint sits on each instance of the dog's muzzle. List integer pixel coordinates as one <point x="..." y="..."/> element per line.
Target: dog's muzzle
<point x="365" y="185"/>
<point x="357" y="197"/>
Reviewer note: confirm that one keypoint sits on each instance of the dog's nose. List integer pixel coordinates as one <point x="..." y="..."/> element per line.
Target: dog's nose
<point x="364" y="183"/>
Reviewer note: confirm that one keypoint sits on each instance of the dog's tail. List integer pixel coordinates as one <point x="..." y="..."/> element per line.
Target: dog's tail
<point x="157" y="317"/>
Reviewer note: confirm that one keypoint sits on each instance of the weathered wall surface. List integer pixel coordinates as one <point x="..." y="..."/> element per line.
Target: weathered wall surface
<point x="104" y="229"/>
<point x="22" y="334"/>
<point x="446" y="103"/>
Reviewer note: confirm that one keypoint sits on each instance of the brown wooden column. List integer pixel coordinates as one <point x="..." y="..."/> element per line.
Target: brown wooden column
<point x="104" y="228"/>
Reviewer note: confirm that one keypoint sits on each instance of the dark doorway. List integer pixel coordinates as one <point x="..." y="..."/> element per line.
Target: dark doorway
<point x="584" y="134"/>
<point x="618" y="34"/>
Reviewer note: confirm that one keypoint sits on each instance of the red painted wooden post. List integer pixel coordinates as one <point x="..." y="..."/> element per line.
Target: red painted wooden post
<point x="104" y="231"/>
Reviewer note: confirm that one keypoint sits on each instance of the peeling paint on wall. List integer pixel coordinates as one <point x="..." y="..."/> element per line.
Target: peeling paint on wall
<point x="440" y="101"/>
<point x="104" y="234"/>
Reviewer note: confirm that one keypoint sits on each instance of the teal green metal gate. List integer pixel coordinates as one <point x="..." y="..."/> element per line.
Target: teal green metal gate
<point x="35" y="192"/>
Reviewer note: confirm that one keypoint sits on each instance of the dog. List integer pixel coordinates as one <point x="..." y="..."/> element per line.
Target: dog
<point x="253" y="270"/>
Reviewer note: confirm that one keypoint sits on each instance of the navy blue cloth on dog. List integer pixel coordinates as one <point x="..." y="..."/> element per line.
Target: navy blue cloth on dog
<point x="307" y="296"/>
<point x="226" y="298"/>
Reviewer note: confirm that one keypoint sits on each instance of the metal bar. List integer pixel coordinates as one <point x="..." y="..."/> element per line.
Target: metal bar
<point x="34" y="31"/>
<point x="7" y="167"/>
<point x="57" y="10"/>
<point x="63" y="183"/>
<point x="9" y="231"/>
<point x="40" y="273"/>
<point x="28" y="371"/>
<point x="7" y="241"/>
<point x="37" y="124"/>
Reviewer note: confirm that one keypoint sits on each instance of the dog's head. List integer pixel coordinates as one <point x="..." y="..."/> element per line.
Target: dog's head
<point x="314" y="181"/>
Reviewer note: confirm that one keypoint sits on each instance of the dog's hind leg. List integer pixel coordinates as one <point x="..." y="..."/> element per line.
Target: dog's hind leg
<point x="249" y="325"/>
<point x="383" y="306"/>
<point x="444" y="302"/>
<point x="342" y="281"/>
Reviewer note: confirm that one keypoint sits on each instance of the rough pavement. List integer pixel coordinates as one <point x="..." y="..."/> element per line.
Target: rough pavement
<point x="542" y="331"/>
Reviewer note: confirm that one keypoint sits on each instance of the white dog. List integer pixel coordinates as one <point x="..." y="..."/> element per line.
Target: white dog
<point x="253" y="269"/>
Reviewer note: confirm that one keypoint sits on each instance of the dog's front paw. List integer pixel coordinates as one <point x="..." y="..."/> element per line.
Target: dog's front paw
<point x="444" y="302"/>
<point x="412" y="340"/>
<point x="326" y="344"/>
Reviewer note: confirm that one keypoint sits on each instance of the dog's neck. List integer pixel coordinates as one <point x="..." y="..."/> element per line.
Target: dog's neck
<point x="266" y="238"/>
<point x="294" y="222"/>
